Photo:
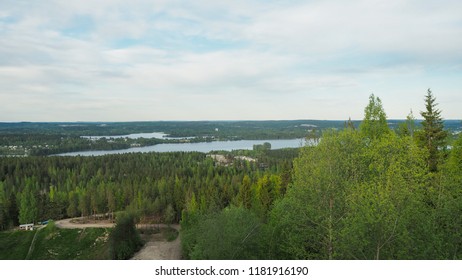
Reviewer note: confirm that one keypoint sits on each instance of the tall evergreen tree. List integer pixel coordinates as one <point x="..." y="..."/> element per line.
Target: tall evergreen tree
<point x="433" y="136"/>
<point x="3" y="203"/>
<point x="245" y="195"/>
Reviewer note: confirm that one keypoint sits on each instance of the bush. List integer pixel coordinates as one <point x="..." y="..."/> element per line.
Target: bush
<point x="232" y="233"/>
<point x="170" y="234"/>
<point x="124" y="240"/>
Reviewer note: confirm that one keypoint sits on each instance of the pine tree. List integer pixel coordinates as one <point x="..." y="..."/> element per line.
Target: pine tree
<point x="2" y="207"/>
<point x="433" y="136"/>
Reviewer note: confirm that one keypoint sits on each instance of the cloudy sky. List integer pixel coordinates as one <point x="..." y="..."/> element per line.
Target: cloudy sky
<point x="114" y="60"/>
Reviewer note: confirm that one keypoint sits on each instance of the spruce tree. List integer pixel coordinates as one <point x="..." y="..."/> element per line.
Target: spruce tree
<point x="433" y="136"/>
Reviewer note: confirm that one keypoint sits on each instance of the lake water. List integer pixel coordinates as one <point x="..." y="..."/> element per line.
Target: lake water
<point x="204" y="147"/>
<point x="158" y="135"/>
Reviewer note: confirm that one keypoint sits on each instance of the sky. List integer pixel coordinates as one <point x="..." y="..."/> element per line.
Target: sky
<point x="139" y="60"/>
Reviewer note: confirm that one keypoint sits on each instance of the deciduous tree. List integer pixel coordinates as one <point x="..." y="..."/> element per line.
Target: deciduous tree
<point x="374" y="124"/>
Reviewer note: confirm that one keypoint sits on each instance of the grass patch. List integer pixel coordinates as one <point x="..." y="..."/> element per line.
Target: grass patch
<point x="53" y="243"/>
<point x="170" y="234"/>
<point x="14" y="245"/>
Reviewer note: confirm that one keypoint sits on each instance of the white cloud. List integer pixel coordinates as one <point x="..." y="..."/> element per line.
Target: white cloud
<point x="87" y="60"/>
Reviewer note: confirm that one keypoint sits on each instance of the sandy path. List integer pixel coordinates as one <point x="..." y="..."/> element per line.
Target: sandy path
<point x="66" y="223"/>
<point x="156" y="248"/>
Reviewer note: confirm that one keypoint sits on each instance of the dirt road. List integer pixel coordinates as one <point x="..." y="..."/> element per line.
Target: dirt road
<point x="66" y="223"/>
<point x="157" y="248"/>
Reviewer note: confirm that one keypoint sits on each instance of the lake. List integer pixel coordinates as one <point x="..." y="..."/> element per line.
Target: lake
<point x="158" y="135"/>
<point x="204" y="147"/>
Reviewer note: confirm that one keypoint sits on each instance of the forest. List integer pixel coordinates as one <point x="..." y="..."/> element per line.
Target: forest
<point x="19" y="139"/>
<point x="360" y="193"/>
<point x="33" y="189"/>
<point x="365" y="191"/>
<point x="40" y="139"/>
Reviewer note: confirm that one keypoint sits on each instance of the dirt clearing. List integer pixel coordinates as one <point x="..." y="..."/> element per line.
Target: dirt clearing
<point x="83" y="223"/>
<point x="158" y="248"/>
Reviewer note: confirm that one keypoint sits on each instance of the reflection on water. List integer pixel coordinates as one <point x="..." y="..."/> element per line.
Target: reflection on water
<point x="204" y="147"/>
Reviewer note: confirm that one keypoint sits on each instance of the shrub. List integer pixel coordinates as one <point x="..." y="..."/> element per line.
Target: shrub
<point x="124" y="240"/>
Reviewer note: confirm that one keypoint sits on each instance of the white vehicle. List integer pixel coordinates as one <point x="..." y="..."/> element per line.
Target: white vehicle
<point x="26" y="227"/>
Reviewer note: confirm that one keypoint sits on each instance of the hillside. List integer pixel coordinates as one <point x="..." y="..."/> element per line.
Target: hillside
<point x="52" y="243"/>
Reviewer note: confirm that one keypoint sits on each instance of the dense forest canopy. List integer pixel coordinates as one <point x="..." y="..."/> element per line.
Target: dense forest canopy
<point x="362" y="193"/>
<point x="366" y="190"/>
<point x="40" y="188"/>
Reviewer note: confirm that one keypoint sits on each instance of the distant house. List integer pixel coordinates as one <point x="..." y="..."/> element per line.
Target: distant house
<point x="26" y="227"/>
<point x="249" y="159"/>
<point x="227" y="160"/>
<point x="220" y="159"/>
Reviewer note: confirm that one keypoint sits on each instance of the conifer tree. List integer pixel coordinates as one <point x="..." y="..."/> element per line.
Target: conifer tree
<point x="433" y="136"/>
<point x="3" y="215"/>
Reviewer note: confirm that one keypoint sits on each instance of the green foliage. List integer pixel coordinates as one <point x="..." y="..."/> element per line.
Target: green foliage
<point x="52" y="243"/>
<point x="28" y="212"/>
<point x="124" y="239"/>
<point x="265" y="192"/>
<point x="262" y="148"/>
<point x="374" y="124"/>
<point x="146" y="183"/>
<point x="356" y="194"/>
<point x="169" y="216"/>
<point x="356" y="201"/>
<point x="40" y="139"/>
<point x="309" y="219"/>
<point x="408" y="128"/>
<point x="449" y="217"/>
<point x="232" y="233"/>
<point x="3" y="208"/>
<point x="386" y="216"/>
<point x="72" y="210"/>
<point x="433" y="136"/>
<point x="369" y="195"/>
<point x="170" y="234"/>
<point x="453" y="165"/>
<point x="14" y="245"/>
<point x="244" y="197"/>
